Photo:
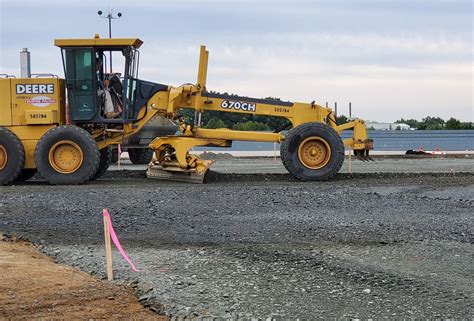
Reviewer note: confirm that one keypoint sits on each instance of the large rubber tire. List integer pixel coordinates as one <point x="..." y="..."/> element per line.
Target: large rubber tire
<point x="327" y="147"/>
<point x="140" y="155"/>
<point x="115" y="156"/>
<point x="26" y="174"/>
<point x="12" y="156"/>
<point x="81" y="159"/>
<point x="104" y="163"/>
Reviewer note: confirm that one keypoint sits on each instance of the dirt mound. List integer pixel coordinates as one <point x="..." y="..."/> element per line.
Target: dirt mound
<point x="34" y="287"/>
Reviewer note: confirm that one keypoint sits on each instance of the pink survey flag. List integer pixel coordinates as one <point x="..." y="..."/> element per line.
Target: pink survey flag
<point x="115" y="239"/>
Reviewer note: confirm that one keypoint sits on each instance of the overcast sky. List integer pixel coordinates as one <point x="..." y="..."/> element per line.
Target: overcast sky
<point x="391" y="59"/>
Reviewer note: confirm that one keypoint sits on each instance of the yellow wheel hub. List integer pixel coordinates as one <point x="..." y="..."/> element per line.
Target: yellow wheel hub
<point x="66" y="157"/>
<point x="314" y="152"/>
<point x="3" y="157"/>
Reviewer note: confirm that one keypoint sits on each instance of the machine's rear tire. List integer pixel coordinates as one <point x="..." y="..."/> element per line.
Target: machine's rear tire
<point x="115" y="156"/>
<point x="140" y="155"/>
<point x="104" y="163"/>
<point x="12" y="156"/>
<point x="312" y="152"/>
<point x="67" y="155"/>
<point x="26" y="174"/>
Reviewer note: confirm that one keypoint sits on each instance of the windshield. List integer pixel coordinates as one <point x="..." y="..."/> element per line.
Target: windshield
<point x="90" y="71"/>
<point x="132" y="57"/>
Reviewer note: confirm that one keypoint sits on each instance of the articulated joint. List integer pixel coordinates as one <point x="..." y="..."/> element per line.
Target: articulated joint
<point x="178" y="96"/>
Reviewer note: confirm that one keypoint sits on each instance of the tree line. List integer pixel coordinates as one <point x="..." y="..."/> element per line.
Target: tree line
<point x="436" y="123"/>
<point x="237" y="121"/>
<point x="250" y="122"/>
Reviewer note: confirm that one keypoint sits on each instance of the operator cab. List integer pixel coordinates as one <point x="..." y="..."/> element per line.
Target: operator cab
<point x="85" y="64"/>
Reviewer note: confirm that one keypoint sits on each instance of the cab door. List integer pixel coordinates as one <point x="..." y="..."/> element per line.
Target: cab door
<point x="81" y="83"/>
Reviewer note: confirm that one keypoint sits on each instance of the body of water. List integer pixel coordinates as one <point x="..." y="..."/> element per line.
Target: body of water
<point x="398" y="140"/>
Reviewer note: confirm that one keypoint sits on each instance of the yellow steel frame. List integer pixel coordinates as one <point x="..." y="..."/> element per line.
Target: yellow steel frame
<point x="197" y="98"/>
<point x="21" y="113"/>
<point x="167" y="103"/>
<point x="98" y="42"/>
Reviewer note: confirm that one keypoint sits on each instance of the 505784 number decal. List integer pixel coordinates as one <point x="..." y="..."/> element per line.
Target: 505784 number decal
<point x="239" y="105"/>
<point x="36" y="116"/>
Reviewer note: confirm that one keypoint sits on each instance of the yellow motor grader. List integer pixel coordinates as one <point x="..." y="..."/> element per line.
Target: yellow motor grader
<point x="36" y="135"/>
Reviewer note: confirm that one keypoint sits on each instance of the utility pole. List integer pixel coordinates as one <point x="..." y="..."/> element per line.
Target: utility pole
<point x="110" y="16"/>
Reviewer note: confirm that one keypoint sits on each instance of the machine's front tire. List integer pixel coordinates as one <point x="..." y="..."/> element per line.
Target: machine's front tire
<point x="67" y="155"/>
<point x="12" y="156"/>
<point x="26" y="174"/>
<point x="104" y="163"/>
<point x="140" y="155"/>
<point x="312" y="152"/>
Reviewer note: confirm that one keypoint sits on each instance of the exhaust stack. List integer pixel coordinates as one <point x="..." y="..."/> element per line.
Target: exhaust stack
<point x="25" y="63"/>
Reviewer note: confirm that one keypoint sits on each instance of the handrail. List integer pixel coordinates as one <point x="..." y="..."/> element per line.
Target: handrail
<point x="44" y="75"/>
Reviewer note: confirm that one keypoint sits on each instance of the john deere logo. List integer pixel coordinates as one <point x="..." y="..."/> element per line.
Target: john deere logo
<point x="34" y="89"/>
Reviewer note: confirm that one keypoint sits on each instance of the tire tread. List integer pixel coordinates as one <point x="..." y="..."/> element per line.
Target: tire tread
<point x="140" y="155"/>
<point x="21" y="161"/>
<point x="104" y="163"/>
<point x="296" y="171"/>
<point x="80" y="132"/>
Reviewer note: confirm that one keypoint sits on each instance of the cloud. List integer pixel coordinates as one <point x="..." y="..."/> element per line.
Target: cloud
<point x="392" y="59"/>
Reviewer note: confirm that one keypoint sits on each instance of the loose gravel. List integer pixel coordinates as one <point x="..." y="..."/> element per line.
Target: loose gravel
<point x="391" y="245"/>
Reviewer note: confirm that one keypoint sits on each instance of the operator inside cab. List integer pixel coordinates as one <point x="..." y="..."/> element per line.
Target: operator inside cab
<point x="103" y="91"/>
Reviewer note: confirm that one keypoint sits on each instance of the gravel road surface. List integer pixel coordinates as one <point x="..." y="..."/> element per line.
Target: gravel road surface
<point x="367" y="245"/>
<point x="389" y="164"/>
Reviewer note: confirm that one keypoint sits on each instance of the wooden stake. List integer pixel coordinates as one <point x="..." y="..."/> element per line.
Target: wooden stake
<point x="108" y="250"/>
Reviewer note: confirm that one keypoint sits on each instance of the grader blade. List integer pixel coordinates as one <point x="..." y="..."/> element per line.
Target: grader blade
<point x="177" y="174"/>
